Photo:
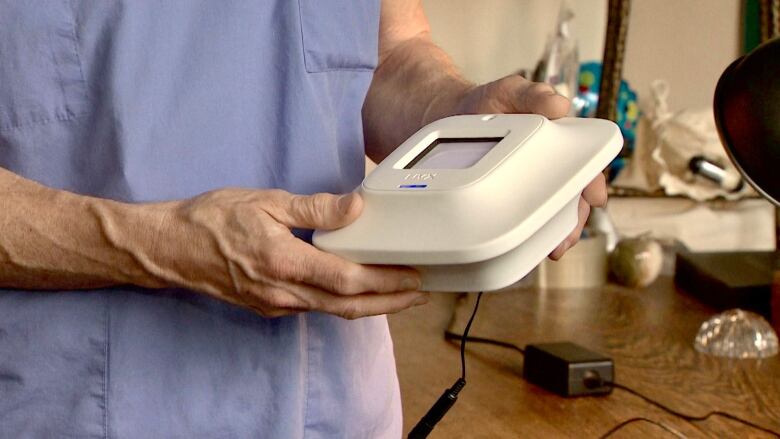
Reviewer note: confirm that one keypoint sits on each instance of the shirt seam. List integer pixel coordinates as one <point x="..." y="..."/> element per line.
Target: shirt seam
<point x="71" y="110"/>
<point x="322" y="67"/>
<point x="306" y="372"/>
<point x="39" y="122"/>
<point x="77" y="54"/>
<point x="342" y="69"/>
<point x="106" y="365"/>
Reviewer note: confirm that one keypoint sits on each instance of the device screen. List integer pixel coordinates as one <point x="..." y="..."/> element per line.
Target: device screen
<point x="453" y="153"/>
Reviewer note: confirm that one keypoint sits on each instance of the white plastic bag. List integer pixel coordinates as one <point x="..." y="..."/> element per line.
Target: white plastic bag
<point x="669" y="142"/>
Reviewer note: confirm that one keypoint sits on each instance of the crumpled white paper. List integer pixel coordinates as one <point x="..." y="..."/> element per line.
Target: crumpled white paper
<point x="668" y="141"/>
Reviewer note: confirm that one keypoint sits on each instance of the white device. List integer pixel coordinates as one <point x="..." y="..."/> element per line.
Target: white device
<point x="475" y="202"/>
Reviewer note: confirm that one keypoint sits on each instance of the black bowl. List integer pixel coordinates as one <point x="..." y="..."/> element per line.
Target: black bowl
<point x="747" y="114"/>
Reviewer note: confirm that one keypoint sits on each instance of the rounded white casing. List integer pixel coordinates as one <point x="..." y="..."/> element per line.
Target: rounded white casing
<point x="484" y="227"/>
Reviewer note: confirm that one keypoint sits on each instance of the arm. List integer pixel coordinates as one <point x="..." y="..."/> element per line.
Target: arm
<point x="232" y="244"/>
<point x="58" y="240"/>
<point x="416" y="83"/>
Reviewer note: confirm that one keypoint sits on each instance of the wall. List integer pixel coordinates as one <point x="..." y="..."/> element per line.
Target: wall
<point x="492" y="38"/>
<point x="688" y="43"/>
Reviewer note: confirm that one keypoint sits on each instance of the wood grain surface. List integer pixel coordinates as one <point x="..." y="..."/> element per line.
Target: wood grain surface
<point x="775" y="299"/>
<point x="648" y="332"/>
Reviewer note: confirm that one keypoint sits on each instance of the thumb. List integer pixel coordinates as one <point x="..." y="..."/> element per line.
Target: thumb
<point x="322" y="211"/>
<point x="515" y="94"/>
<point x="541" y="98"/>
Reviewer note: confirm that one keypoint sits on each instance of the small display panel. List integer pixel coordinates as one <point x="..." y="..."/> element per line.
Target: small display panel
<point x="453" y="153"/>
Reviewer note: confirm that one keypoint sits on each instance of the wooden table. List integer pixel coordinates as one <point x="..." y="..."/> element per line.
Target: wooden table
<point x="648" y="332"/>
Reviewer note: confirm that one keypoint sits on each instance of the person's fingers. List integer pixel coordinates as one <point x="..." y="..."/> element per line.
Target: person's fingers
<point x="371" y="304"/>
<point x="541" y="98"/>
<point x="583" y="210"/>
<point x="300" y="262"/>
<point x="595" y="192"/>
<point x="515" y="94"/>
<point x="319" y="211"/>
<point x="294" y="298"/>
<point x="283" y="300"/>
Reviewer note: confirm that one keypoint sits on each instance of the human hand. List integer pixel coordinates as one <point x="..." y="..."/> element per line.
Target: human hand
<point x="236" y="245"/>
<point x="515" y="94"/>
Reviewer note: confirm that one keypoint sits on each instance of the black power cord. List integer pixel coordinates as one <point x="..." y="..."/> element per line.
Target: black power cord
<point x="448" y="398"/>
<point x="449" y="335"/>
<point x="614" y="429"/>
<point x="691" y="418"/>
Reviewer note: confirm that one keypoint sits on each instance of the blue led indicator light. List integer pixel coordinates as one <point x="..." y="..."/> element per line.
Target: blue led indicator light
<point x="413" y="186"/>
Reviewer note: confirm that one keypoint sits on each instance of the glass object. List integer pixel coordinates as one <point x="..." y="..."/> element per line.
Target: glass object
<point x="737" y="334"/>
<point x="560" y="64"/>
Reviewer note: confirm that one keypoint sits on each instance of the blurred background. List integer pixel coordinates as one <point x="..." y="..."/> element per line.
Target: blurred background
<point x="688" y="43"/>
<point x="674" y="54"/>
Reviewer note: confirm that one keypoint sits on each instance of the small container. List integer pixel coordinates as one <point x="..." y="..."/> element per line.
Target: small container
<point x="583" y="266"/>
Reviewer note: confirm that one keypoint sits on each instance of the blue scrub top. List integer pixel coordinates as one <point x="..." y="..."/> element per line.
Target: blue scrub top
<point x="155" y="100"/>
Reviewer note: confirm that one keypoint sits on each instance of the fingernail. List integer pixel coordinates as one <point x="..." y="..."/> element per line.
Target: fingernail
<point x="345" y="201"/>
<point x="410" y="284"/>
<point x="422" y="300"/>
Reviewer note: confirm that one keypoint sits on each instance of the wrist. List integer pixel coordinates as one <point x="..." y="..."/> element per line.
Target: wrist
<point x="136" y="233"/>
<point x="181" y="247"/>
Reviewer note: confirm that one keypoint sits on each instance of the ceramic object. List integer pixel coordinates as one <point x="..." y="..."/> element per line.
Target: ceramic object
<point x="636" y="262"/>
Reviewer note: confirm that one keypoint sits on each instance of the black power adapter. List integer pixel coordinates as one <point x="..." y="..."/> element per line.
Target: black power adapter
<point x="568" y="369"/>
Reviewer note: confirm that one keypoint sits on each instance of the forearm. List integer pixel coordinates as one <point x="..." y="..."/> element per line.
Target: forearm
<point x="414" y="84"/>
<point x="52" y="239"/>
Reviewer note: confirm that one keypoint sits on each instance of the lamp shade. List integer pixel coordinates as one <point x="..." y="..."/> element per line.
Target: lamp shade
<point x="747" y="114"/>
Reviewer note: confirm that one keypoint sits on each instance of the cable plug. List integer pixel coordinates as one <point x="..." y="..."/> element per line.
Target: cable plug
<point x="439" y="409"/>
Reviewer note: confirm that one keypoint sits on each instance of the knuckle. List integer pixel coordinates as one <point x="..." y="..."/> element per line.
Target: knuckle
<point x="322" y="201"/>
<point x="270" y="313"/>
<point x="259" y="306"/>
<point x="277" y="195"/>
<point x="278" y="262"/>
<point x="315" y="207"/>
<point x="509" y="83"/>
<point x="276" y="199"/>
<point x="282" y="268"/>
<point x="345" y="280"/>
<point x="298" y="203"/>
<point x="301" y="208"/>
<point x="275" y="301"/>
<point x="351" y="309"/>
<point x="264" y="312"/>
<point x="540" y="87"/>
